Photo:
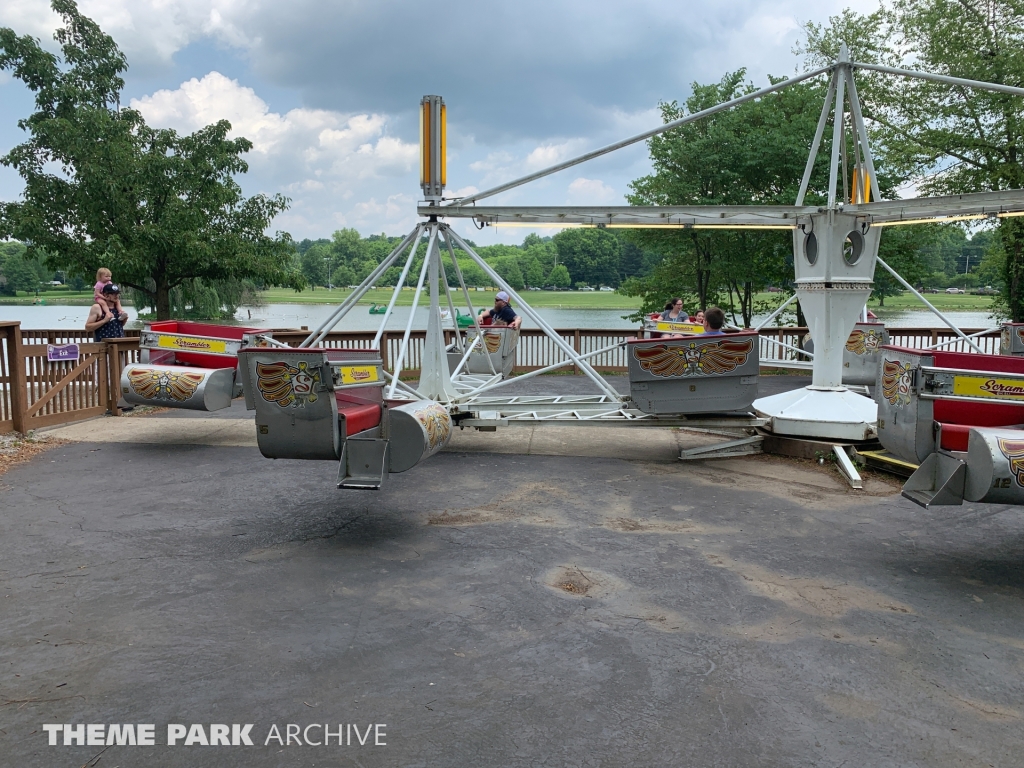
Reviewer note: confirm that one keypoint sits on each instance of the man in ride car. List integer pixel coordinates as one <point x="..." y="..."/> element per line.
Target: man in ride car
<point x="502" y="314"/>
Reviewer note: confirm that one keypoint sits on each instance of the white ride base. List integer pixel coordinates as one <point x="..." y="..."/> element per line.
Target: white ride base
<point x="836" y="414"/>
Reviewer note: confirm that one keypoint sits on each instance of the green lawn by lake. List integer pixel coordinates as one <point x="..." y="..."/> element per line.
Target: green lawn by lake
<point x="539" y="299"/>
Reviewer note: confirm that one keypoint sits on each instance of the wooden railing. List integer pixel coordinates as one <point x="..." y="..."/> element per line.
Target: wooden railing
<point x="36" y="392"/>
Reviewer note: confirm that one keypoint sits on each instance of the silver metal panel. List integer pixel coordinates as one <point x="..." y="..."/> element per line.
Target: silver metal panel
<point x="698" y="374"/>
<point x="499" y="343"/>
<point x="415" y="432"/>
<point x="861" y="355"/>
<point x="949" y="205"/>
<point x="364" y="463"/>
<point x="296" y="412"/>
<point x="178" y="386"/>
<point x="625" y="215"/>
<point x="938" y="481"/>
<point x="905" y="420"/>
<point x="1011" y="339"/>
<point x="995" y="466"/>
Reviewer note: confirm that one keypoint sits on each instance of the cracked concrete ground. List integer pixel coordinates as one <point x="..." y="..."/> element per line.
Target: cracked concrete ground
<point x="501" y="609"/>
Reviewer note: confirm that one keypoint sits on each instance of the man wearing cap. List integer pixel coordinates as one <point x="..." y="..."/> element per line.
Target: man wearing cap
<point x="102" y="320"/>
<point x="502" y="314"/>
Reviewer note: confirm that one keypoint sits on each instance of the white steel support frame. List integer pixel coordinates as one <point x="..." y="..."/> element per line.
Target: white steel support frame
<point x="832" y="287"/>
<point x="835" y="247"/>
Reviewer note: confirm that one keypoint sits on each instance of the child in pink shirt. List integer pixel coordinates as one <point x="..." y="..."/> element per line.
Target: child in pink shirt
<point x="103" y="277"/>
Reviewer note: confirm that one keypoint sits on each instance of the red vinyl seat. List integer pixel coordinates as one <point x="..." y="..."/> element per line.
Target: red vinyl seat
<point x="357" y="415"/>
<point x="956" y="418"/>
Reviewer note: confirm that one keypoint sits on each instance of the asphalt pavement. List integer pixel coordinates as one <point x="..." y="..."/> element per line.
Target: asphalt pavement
<point x="597" y="605"/>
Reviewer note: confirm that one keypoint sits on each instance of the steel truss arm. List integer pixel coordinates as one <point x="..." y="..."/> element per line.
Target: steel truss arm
<point x="944" y="79"/>
<point x="398" y="285"/>
<point x="325" y="327"/>
<point x="642" y="136"/>
<point x="528" y="311"/>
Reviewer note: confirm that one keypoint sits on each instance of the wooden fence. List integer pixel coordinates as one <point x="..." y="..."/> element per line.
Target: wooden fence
<point x="36" y="392"/>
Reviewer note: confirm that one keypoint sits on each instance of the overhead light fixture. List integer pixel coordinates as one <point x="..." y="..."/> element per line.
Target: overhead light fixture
<point x="579" y="225"/>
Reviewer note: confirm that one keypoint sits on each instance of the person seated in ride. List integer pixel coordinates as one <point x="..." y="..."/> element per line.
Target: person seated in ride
<point x="502" y="314"/>
<point x="105" y="320"/>
<point x="699" y="317"/>
<point x="674" y="311"/>
<point x="714" y="319"/>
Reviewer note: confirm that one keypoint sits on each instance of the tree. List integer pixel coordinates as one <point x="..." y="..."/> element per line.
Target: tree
<point x="902" y="248"/>
<point x="590" y="255"/>
<point x="102" y="188"/>
<point x="751" y="154"/>
<point x="534" y="273"/>
<point x="508" y="268"/>
<point x="949" y="139"/>
<point x="559" y="277"/>
<point x="314" y="266"/>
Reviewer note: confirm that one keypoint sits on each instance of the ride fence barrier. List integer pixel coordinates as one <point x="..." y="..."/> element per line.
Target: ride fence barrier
<point x="38" y="391"/>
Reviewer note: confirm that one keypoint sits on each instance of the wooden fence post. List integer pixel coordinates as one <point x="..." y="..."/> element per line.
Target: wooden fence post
<point x="113" y="370"/>
<point x="576" y="347"/>
<point x="19" y="387"/>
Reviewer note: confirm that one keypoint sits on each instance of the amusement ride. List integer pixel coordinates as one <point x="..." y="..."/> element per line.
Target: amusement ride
<point x="952" y="415"/>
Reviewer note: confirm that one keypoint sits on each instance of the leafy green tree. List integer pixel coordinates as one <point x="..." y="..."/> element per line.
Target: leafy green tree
<point x="314" y="266"/>
<point x="508" y="268"/>
<point x="559" y="277"/>
<point x="534" y="274"/>
<point x="901" y="248"/>
<point x="102" y="188"/>
<point x="754" y="153"/>
<point x="950" y="139"/>
<point x="590" y="255"/>
<point x="17" y="274"/>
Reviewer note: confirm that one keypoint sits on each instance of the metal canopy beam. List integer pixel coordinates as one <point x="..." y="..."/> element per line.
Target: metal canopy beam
<point x="645" y="135"/>
<point x="628" y="215"/>
<point x="978" y="204"/>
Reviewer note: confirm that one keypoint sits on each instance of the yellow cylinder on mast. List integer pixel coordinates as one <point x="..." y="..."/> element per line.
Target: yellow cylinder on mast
<point x="433" y="136"/>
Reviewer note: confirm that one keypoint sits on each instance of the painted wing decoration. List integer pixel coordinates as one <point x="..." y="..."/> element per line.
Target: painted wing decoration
<point x="661" y="360"/>
<point x="164" y="384"/>
<point x="725" y="356"/>
<point x="856" y="342"/>
<point x="895" y="382"/>
<point x="688" y="359"/>
<point x="1013" y="450"/>
<point x="861" y="342"/>
<point x="286" y="384"/>
<point x="492" y="341"/>
<point x="437" y="423"/>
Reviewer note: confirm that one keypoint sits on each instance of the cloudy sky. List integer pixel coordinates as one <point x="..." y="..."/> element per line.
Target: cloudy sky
<point x="327" y="89"/>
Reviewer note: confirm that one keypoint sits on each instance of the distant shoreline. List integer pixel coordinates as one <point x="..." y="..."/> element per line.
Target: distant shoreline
<point x="582" y="300"/>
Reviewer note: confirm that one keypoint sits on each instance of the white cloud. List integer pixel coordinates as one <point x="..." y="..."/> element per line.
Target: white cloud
<point x="590" y="192"/>
<point x="327" y="162"/>
<point x="321" y="141"/>
<point x="547" y="155"/>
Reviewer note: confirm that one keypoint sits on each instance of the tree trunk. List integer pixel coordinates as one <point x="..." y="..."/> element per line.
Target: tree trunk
<point x="748" y="304"/>
<point x="163" y="300"/>
<point x="1011" y="231"/>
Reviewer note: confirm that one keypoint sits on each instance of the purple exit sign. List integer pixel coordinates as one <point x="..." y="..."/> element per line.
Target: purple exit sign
<point x="57" y="352"/>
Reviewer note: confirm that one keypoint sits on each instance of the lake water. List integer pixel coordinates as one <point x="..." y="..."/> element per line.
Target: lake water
<point x="359" y="318"/>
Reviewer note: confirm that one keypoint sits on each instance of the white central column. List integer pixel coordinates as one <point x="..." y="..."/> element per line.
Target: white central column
<point x="435" y="378"/>
<point x="834" y="255"/>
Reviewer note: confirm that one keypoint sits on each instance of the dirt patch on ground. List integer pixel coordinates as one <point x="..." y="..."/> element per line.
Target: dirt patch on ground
<point x="817" y="597"/>
<point x="143" y="410"/>
<point x="17" y="449"/>
<point x="642" y="525"/>
<point x="579" y="581"/>
<point x="522" y="504"/>
<point x="801" y="480"/>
